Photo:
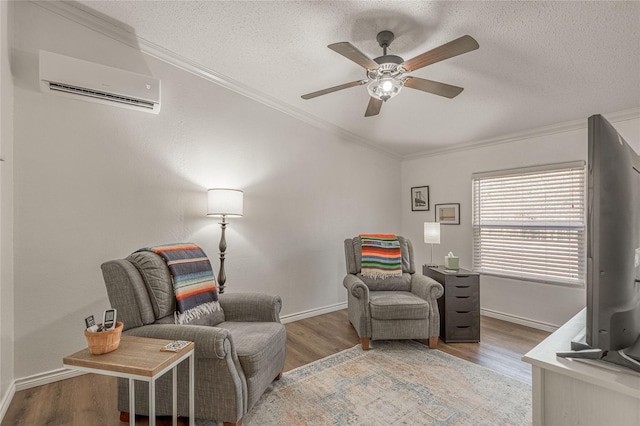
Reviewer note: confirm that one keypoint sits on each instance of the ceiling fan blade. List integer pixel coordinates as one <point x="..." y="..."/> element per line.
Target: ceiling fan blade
<point x="351" y="52"/>
<point x="456" y="47"/>
<point x="333" y="89"/>
<point x="435" y="87"/>
<point x="374" y="107"/>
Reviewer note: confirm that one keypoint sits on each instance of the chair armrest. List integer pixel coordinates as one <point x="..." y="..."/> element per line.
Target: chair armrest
<point x="430" y="290"/>
<point x="211" y="342"/>
<point x="251" y="307"/>
<point x="358" y="305"/>
<point x="426" y="288"/>
<point x="356" y="287"/>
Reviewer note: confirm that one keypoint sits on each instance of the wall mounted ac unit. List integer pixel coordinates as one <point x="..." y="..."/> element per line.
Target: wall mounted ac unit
<point x="79" y="79"/>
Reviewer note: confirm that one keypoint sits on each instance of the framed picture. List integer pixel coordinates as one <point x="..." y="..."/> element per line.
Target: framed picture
<point x="448" y="214"/>
<point x="420" y="199"/>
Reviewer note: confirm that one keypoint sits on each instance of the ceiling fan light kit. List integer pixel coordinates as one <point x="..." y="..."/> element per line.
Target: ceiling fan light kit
<point x="384" y="88"/>
<point x="385" y="74"/>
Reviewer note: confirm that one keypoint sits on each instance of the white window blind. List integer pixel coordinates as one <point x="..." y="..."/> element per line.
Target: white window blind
<point x="530" y="223"/>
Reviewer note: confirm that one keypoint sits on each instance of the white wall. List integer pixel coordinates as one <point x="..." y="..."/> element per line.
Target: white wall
<point x="449" y="180"/>
<point x="6" y="211"/>
<point x="94" y="183"/>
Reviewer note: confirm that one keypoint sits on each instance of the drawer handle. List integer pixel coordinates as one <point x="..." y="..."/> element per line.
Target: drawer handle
<point x="463" y="312"/>
<point x="462" y="297"/>
<point x="463" y="286"/>
<point x="463" y="326"/>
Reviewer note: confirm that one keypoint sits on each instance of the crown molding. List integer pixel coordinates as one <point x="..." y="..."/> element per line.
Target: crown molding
<point x="614" y="117"/>
<point x="118" y="31"/>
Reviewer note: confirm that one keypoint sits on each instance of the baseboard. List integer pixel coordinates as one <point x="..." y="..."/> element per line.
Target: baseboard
<point x="33" y="381"/>
<point x="46" y="378"/>
<point x="313" y="312"/>
<point x="519" y="320"/>
<point x="6" y="400"/>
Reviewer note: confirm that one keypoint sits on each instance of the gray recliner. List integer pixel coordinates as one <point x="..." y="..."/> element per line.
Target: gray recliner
<point x="239" y="350"/>
<point x="392" y="308"/>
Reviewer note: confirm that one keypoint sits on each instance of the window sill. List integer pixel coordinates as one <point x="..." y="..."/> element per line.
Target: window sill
<point x="534" y="280"/>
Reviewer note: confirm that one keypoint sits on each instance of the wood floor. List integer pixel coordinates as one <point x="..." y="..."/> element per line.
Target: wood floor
<point x="91" y="399"/>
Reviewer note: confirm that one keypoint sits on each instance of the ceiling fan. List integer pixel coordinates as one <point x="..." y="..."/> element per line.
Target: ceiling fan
<point x="386" y="74"/>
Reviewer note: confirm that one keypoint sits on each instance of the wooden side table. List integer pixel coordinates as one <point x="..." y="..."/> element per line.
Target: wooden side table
<point x="460" y="305"/>
<point x="140" y="358"/>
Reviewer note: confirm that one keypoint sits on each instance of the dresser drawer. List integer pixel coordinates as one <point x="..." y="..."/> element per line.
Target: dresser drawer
<point x="461" y="279"/>
<point x="462" y="304"/>
<point x="462" y="333"/>
<point x="463" y="318"/>
<point x="461" y="289"/>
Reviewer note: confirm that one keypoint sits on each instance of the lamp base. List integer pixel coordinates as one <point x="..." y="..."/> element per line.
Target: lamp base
<point x="431" y="264"/>
<point x="222" y="277"/>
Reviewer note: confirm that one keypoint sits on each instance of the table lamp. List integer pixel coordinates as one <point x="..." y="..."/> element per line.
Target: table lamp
<point x="431" y="236"/>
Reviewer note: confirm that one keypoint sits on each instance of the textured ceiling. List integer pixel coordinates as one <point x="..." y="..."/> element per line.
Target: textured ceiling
<point x="539" y="63"/>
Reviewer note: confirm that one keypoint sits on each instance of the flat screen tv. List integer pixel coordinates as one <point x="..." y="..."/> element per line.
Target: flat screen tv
<point x="612" y="331"/>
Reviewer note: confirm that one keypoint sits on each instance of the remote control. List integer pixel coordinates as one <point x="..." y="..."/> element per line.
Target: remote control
<point x="91" y="324"/>
<point x="109" y="320"/>
<point x="175" y="346"/>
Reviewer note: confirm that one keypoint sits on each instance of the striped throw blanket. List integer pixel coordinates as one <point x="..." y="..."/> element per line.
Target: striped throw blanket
<point x="193" y="280"/>
<point x="381" y="256"/>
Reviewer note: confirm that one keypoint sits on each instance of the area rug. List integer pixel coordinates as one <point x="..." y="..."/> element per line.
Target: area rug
<point x="393" y="383"/>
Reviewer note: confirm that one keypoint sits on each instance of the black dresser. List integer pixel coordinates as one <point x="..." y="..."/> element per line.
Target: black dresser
<point x="460" y="305"/>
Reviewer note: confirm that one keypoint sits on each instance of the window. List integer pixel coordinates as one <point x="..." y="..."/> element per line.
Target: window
<point x="530" y="223"/>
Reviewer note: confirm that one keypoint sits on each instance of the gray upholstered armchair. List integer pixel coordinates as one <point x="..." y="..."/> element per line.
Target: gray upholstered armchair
<point x="391" y="308"/>
<point x="239" y="350"/>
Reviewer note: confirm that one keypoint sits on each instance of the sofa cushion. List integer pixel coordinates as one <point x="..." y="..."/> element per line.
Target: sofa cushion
<point x="157" y="278"/>
<point x="128" y="293"/>
<point x="256" y="343"/>
<point x="397" y="305"/>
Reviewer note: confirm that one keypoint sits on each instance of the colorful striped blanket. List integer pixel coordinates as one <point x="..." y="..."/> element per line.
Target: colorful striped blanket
<point x="381" y="256"/>
<point x="193" y="280"/>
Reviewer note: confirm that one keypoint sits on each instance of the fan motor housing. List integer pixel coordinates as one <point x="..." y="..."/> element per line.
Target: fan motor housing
<point x="388" y="67"/>
<point x="389" y="59"/>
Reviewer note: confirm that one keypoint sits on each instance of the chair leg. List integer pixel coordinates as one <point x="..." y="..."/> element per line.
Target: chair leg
<point x="365" y="343"/>
<point x="124" y="416"/>
<point x="433" y="342"/>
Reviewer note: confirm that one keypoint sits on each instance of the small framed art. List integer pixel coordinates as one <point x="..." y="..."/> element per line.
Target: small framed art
<point x="448" y="214"/>
<point x="420" y="198"/>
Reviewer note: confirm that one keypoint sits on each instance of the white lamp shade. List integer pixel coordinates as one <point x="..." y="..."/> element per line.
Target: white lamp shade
<point x="224" y="202"/>
<point x="431" y="233"/>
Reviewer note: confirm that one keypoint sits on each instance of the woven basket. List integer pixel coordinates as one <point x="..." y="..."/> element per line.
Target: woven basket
<point x="104" y="341"/>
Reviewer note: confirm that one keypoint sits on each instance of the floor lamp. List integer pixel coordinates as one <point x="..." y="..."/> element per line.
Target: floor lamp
<point x="222" y="202"/>
<point x="431" y="236"/>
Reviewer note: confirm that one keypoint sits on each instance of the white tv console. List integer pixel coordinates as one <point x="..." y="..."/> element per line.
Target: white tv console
<point x="571" y="392"/>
